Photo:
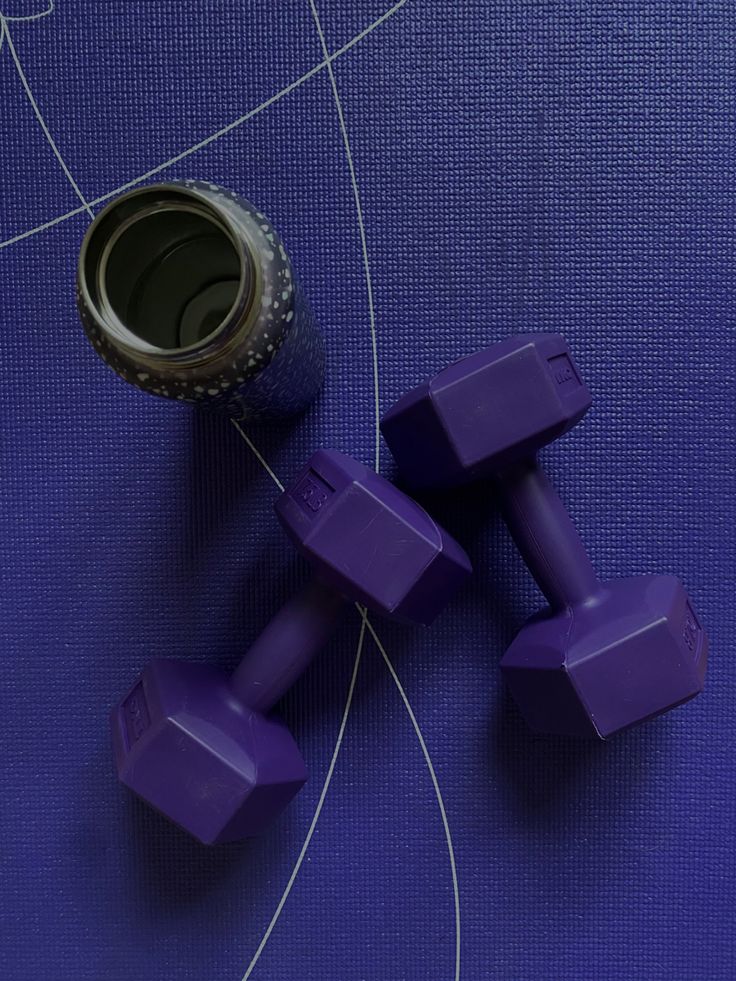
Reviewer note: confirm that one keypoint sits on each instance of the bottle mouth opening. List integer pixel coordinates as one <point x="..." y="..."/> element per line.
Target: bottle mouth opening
<point x="164" y="272"/>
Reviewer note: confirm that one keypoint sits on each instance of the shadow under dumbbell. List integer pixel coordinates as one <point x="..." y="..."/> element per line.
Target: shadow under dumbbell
<point x="174" y="870"/>
<point x="217" y="472"/>
<point x="152" y="865"/>
<point x="544" y="774"/>
<point x="322" y="688"/>
<point x="551" y="775"/>
<point x="207" y="527"/>
<point x="221" y="468"/>
<point x="471" y="515"/>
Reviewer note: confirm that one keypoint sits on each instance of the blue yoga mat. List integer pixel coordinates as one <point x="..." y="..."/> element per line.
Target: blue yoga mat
<point x="444" y="175"/>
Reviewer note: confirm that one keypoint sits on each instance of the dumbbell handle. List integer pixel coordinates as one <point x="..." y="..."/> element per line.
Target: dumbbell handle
<point x="286" y="646"/>
<point x="545" y="535"/>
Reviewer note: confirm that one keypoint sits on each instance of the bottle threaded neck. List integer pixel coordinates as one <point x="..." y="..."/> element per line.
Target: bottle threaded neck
<point x="166" y="276"/>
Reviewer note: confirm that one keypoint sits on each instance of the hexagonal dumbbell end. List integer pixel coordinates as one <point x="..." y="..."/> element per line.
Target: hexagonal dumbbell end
<point x="185" y="745"/>
<point x="605" y="655"/>
<point x="205" y="750"/>
<point x="486" y="411"/>
<point x="636" y="651"/>
<point x="370" y="541"/>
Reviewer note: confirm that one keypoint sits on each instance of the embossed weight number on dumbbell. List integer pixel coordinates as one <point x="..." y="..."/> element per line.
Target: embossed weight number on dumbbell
<point x="313" y="493"/>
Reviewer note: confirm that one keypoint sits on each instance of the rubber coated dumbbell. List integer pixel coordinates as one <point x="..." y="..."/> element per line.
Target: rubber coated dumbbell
<point x="206" y="750"/>
<point x="606" y="655"/>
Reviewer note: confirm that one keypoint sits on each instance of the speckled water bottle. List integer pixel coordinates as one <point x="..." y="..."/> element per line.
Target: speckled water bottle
<point x="186" y="291"/>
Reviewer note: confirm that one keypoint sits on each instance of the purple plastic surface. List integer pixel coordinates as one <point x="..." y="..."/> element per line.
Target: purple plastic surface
<point x="486" y="411"/>
<point x="605" y="656"/>
<point x="369" y="540"/>
<point x="203" y="749"/>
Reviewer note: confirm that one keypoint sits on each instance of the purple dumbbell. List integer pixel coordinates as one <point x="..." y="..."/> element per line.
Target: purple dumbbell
<point x="205" y="750"/>
<point x="606" y="655"/>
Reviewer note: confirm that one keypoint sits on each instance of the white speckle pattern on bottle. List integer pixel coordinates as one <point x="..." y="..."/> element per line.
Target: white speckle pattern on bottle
<point x="274" y="369"/>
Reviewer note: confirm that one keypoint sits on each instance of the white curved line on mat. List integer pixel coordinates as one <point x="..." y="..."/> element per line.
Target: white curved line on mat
<point x="2" y="32"/>
<point x="286" y="90"/>
<point x="366" y="624"/>
<point x="29" y="17"/>
<point x="335" y="751"/>
<point x="318" y="809"/>
<point x="256" y="453"/>
<point x="41" y="120"/>
<point x="435" y="784"/>
<point x="371" y="312"/>
<point x="361" y="225"/>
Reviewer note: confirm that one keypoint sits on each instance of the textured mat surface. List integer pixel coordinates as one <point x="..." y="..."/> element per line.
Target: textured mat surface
<point x="519" y="165"/>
